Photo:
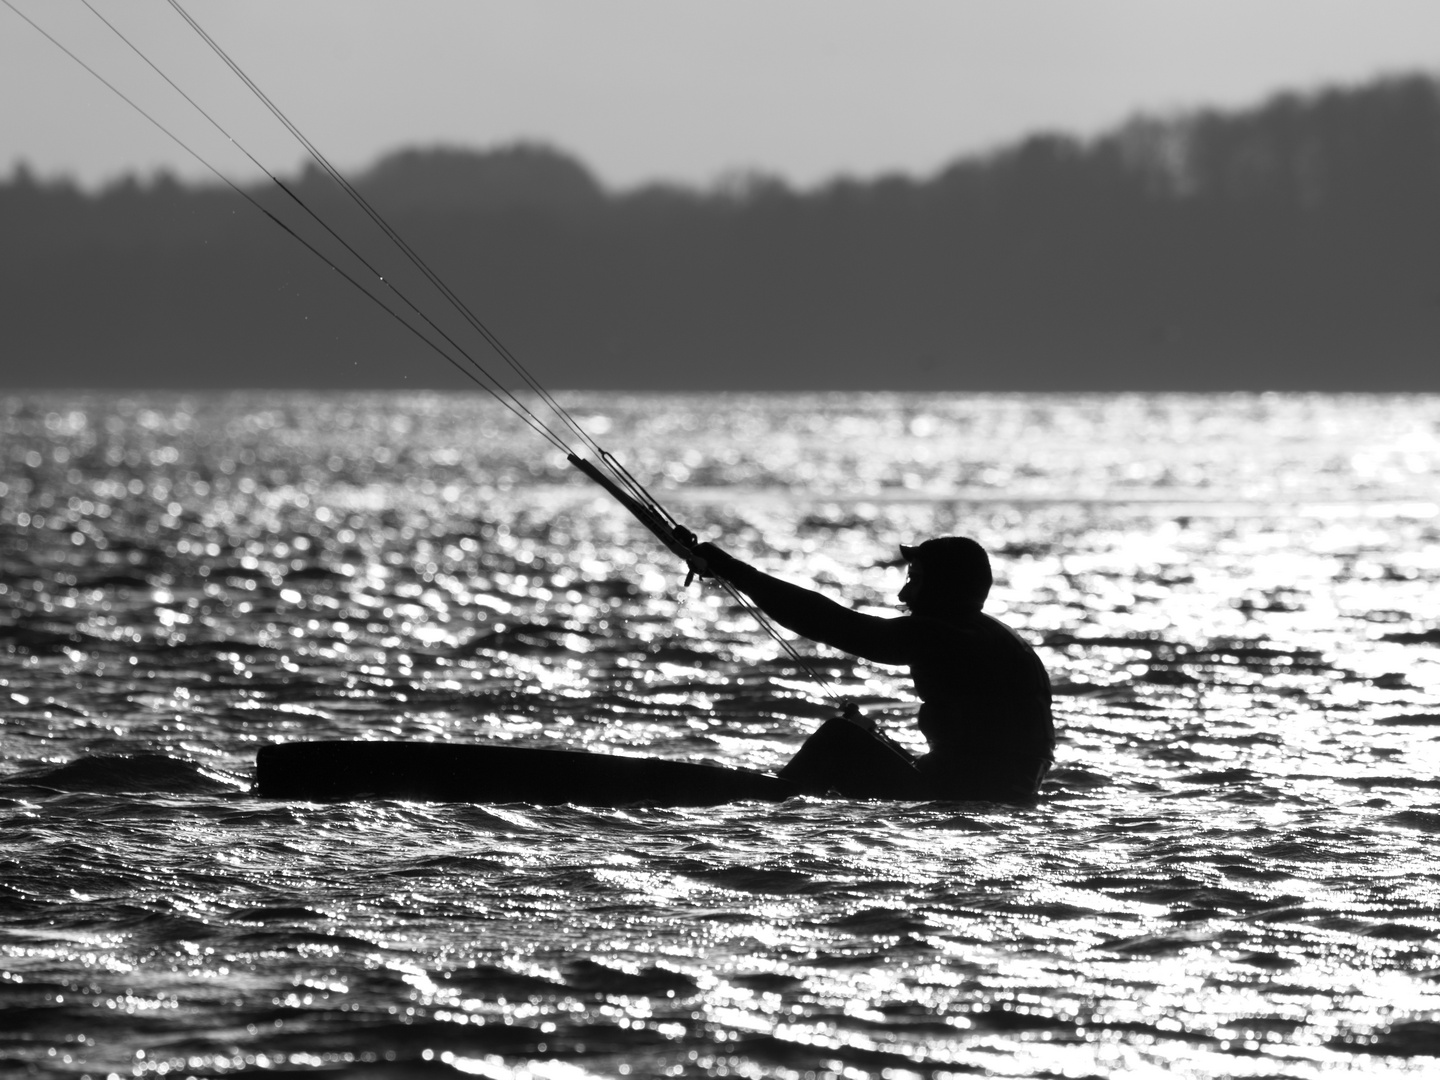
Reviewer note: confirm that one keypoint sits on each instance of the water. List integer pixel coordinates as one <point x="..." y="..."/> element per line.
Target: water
<point x="1231" y="873"/>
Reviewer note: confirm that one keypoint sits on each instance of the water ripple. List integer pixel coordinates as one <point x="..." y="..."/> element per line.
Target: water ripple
<point x="1230" y="873"/>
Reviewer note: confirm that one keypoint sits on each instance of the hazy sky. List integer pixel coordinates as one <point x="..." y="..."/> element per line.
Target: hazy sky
<point x="673" y="89"/>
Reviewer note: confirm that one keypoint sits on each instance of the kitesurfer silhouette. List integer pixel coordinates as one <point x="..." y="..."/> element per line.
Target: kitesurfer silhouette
<point x="985" y="694"/>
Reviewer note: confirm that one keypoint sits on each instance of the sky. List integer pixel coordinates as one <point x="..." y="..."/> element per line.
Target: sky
<point x="675" y="90"/>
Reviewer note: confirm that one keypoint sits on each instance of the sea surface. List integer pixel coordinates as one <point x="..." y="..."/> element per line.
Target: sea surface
<point x="1232" y="871"/>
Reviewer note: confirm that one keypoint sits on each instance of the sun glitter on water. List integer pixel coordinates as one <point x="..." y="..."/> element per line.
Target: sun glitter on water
<point x="1230" y="872"/>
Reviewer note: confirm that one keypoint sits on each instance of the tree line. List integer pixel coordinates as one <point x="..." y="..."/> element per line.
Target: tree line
<point x="1294" y="245"/>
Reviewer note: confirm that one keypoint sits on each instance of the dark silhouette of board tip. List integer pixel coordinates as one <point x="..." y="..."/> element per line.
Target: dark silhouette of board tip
<point x="324" y="771"/>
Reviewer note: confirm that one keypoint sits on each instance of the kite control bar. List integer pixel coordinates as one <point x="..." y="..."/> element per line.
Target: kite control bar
<point x="683" y="542"/>
<point x="677" y="538"/>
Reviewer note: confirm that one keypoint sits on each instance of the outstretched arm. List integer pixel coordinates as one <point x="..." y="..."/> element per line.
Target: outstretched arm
<point x="885" y="641"/>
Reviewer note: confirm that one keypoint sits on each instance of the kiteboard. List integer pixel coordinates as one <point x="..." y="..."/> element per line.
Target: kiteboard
<point x="487" y="773"/>
<point x="839" y="759"/>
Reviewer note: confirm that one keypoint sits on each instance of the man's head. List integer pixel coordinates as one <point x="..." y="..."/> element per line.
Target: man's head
<point x="947" y="573"/>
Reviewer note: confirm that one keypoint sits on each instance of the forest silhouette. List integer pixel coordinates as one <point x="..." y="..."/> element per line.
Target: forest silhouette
<point x="1292" y="246"/>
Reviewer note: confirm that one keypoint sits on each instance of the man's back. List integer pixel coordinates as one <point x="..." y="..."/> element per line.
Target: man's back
<point x="986" y="711"/>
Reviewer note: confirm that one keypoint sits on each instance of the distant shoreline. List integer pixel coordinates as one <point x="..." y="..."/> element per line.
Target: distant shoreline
<point x="1284" y="248"/>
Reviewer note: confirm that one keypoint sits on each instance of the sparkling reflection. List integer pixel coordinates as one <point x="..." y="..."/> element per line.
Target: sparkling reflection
<point x="1231" y="874"/>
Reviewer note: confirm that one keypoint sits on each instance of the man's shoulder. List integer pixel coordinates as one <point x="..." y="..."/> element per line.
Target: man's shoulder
<point x="973" y="631"/>
<point x="959" y="622"/>
<point x="981" y="630"/>
<point x="938" y="629"/>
